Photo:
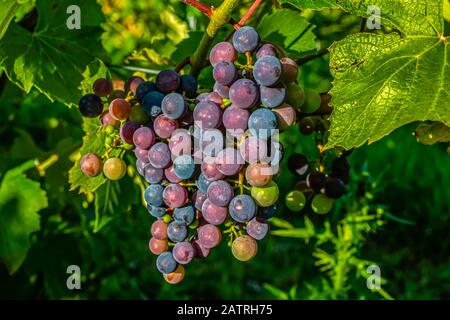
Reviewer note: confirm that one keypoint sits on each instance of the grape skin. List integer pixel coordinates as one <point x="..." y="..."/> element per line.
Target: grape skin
<point x="267" y="71"/>
<point x="91" y="165"/>
<point x="209" y="169"/>
<point x="180" y="143"/>
<point x="321" y="204"/>
<point x="165" y="263"/>
<point x="108" y="120"/>
<point x="245" y="39"/>
<point x="242" y="208"/>
<point x="132" y="84"/>
<point x="295" y="201"/>
<point x="201" y="252"/>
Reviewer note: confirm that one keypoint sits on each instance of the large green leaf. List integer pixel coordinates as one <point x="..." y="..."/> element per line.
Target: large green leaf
<point x="20" y="201"/>
<point x="290" y="30"/>
<point x="8" y="10"/>
<point x="53" y="58"/>
<point x="382" y="82"/>
<point x="310" y="4"/>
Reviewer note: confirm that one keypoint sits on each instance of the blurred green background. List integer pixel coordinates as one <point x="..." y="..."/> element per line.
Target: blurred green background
<point x="400" y="186"/>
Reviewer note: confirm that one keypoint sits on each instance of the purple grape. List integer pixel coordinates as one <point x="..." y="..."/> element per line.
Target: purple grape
<point x="180" y="143"/>
<point x="141" y="154"/>
<point x="257" y="228"/>
<point x="220" y="193"/>
<point x="242" y="208"/>
<point x="209" y="236"/>
<point x="209" y="169"/>
<point x="267" y="71"/>
<point x="188" y="86"/>
<point x="225" y="73"/>
<point x="143" y="89"/>
<point x="200" y="251"/>
<point x="133" y="83"/>
<point x="253" y="149"/>
<point x="91" y="165"/>
<point x="108" y="120"/>
<point x="198" y="198"/>
<point x="215" y="97"/>
<point x="183" y="252"/>
<point x="90" y="106"/>
<point x="229" y="161"/>
<point x="177" y="231"/>
<point x="266" y="50"/>
<point x="168" y="81"/>
<point x="244" y="93"/>
<point x="175" y="196"/>
<point x="290" y="70"/>
<point x="165" y="263"/>
<point x="127" y="131"/>
<point x="102" y="87"/>
<point x="235" y="118"/>
<point x="223" y="51"/>
<point x="171" y="176"/>
<point x="221" y="90"/>
<point x="144" y="138"/>
<point x="213" y="214"/>
<point x="164" y="127"/>
<point x="245" y="39"/>
<point x="316" y="180"/>
<point x="152" y="174"/>
<point x="140" y="166"/>
<point x="159" y="155"/>
<point x="184" y="214"/>
<point x="187" y="119"/>
<point x="173" y="106"/>
<point x="208" y="114"/>
<point x="273" y="97"/>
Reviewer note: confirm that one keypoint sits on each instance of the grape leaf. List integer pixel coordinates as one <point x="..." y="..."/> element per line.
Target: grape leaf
<point x="290" y="30"/>
<point x="384" y="81"/>
<point x="20" y="201"/>
<point x="310" y="4"/>
<point x="7" y="13"/>
<point x="431" y="133"/>
<point x="53" y="58"/>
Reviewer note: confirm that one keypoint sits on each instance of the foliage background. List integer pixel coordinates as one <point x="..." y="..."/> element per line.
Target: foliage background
<point x="406" y="180"/>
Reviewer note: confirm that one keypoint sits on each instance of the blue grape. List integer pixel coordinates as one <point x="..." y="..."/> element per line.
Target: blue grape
<point x="257" y="228"/>
<point x="173" y="106"/>
<point x="188" y="86"/>
<point x="273" y="97"/>
<point x="242" y="208"/>
<point x="244" y="93"/>
<point x="152" y="101"/>
<point x="267" y="212"/>
<point x="267" y="71"/>
<point x="262" y="122"/>
<point x="225" y="73"/>
<point x="184" y="167"/>
<point x="152" y="174"/>
<point x="220" y="193"/>
<point x="154" y="194"/>
<point x="203" y="183"/>
<point x="184" y="214"/>
<point x="143" y="89"/>
<point x="168" y="81"/>
<point x="177" y="231"/>
<point x="245" y="39"/>
<point x="90" y="106"/>
<point x="157" y="212"/>
<point x="165" y="263"/>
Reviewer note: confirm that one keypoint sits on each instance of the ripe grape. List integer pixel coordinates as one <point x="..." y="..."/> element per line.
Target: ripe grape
<point x="141" y="154"/>
<point x="225" y="73"/>
<point x="184" y="214"/>
<point x="220" y="193"/>
<point x="235" y="118"/>
<point x="164" y="127"/>
<point x="334" y="188"/>
<point x="119" y="109"/>
<point x="221" y="90"/>
<point x="253" y="149"/>
<point x="286" y="116"/>
<point x="209" y="236"/>
<point x="102" y="87"/>
<point x="173" y="106"/>
<point x="108" y="120"/>
<point x="143" y="89"/>
<point x="175" y="196"/>
<point x="316" y="180"/>
<point x="200" y="251"/>
<point x="180" y="143"/>
<point x="267" y="71"/>
<point x="91" y="165"/>
<point x="157" y="212"/>
<point x="140" y="166"/>
<point x="159" y="230"/>
<point x="223" y="51"/>
<point x="262" y="122"/>
<point x="127" y="131"/>
<point x="168" y="81"/>
<point x="273" y="97"/>
<point x="175" y="277"/>
<point x="244" y="248"/>
<point x="151" y="103"/>
<point x="208" y="114"/>
<point x="133" y="83"/>
<point x="295" y="95"/>
<point x="213" y="214"/>
<point x="210" y="170"/>
<point x="183" y="252"/>
<point x="159" y="155"/>
<point x="312" y="101"/>
<point x="137" y="114"/>
<point x="198" y="199"/>
<point x="114" y="169"/>
<point x="152" y="174"/>
<point x="154" y="194"/>
<point x="267" y="212"/>
<point x="266" y="196"/>
<point x="203" y="183"/>
<point x="295" y="200"/>
<point x="144" y="138"/>
<point x="321" y="204"/>
<point x="170" y="175"/>
<point x="165" y="263"/>
<point x="307" y="125"/>
<point x="229" y="161"/>
<point x="90" y="106"/>
<point x="290" y="69"/>
<point x="242" y="208"/>
<point x="258" y="174"/>
<point x="266" y="50"/>
<point x="177" y="231"/>
<point x="298" y="164"/>
<point x="188" y="86"/>
<point x="244" y="93"/>
<point x="245" y="39"/>
<point x="257" y="228"/>
<point x="158" y="246"/>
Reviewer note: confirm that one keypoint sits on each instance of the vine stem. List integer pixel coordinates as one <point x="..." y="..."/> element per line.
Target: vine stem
<point x="312" y="57"/>
<point x="200" y="6"/>
<point x="248" y="15"/>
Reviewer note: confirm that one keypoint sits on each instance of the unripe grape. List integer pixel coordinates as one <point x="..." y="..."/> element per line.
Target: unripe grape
<point x="244" y="248"/>
<point x="266" y="196"/>
<point x="321" y="204"/>
<point x="295" y="96"/>
<point x="114" y="168"/>
<point x="295" y="200"/>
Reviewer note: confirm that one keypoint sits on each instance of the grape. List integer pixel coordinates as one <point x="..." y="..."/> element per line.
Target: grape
<point x="198" y="199"/>
<point x="286" y="116"/>
<point x="157" y="212"/>
<point x="200" y="251"/>
<point x="187" y="119"/>
<point x="267" y="212"/>
<point x="141" y="154"/>
<point x="143" y="89"/>
<point x="177" y="231"/>
<point x="140" y="166"/>
<point x="316" y="180"/>
<point x="298" y="164"/>
<point x="245" y="39"/>
<point x="168" y="81"/>
<point x="258" y="174"/>
<point x="253" y="149"/>
<point x="133" y="83"/>
<point x="175" y="196"/>
<point x="173" y="106"/>
<point x="295" y="96"/>
<point x="295" y="200"/>
<point x="90" y="106"/>
<point x="225" y="73"/>
<point x="307" y="126"/>
<point x="159" y="230"/>
<point x="184" y="214"/>
<point x="312" y="101"/>
<point x="334" y="188"/>
<point x="229" y="161"/>
<point x="267" y="71"/>
<point x="180" y="143"/>
<point x="188" y="86"/>
<point x="209" y="169"/>
<point x="102" y="87"/>
<point x="235" y="118"/>
<point x="220" y="193"/>
<point x="244" y="248"/>
<point x="208" y="114"/>
<point x="340" y="166"/>
<point x="223" y="51"/>
<point x="144" y="138"/>
<point x="170" y="175"/>
<point x="152" y="100"/>
<point x="273" y="97"/>
<point x="119" y="109"/>
<point x="257" y="228"/>
<point x="138" y="115"/>
<point x="184" y="167"/>
<point x="164" y="127"/>
<point x="159" y="155"/>
<point x="108" y="120"/>
<point x="203" y="183"/>
<point x="262" y="122"/>
<point x="175" y="277"/>
<point x="209" y="236"/>
<point x="321" y="204"/>
<point x="266" y="50"/>
<point x="221" y="90"/>
<point x="158" y="246"/>
<point x="213" y="214"/>
<point x="154" y="195"/>
<point x="242" y="208"/>
<point x="290" y="70"/>
<point x="266" y="196"/>
<point x="91" y="165"/>
<point x="215" y="97"/>
<point x="183" y="252"/>
<point x="152" y="174"/>
<point x="244" y="93"/>
<point x="165" y="263"/>
<point x="114" y="169"/>
<point x="127" y="131"/>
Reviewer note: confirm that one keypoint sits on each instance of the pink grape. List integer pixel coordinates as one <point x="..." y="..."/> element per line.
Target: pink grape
<point x="257" y="228"/>
<point x="133" y="83"/>
<point x="164" y="127"/>
<point x="286" y="116"/>
<point x="171" y="176"/>
<point x="91" y="165"/>
<point x="213" y="214"/>
<point x="144" y="138"/>
<point x="223" y="51"/>
<point x="210" y="170"/>
<point x="108" y="120"/>
<point x="244" y="93"/>
<point x="175" y="196"/>
<point x="141" y="154"/>
<point x="209" y="236"/>
<point x="253" y="149"/>
<point x="235" y="118"/>
<point x="229" y="161"/>
<point x="158" y="246"/>
<point x="159" y="230"/>
<point x="183" y="252"/>
<point x="208" y="114"/>
<point x="199" y="198"/>
<point x="258" y="174"/>
<point x="180" y="143"/>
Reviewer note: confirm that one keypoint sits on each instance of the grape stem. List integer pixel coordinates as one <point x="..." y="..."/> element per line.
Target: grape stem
<point x="318" y="54"/>
<point x="183" y="64"/>
<point x="248" y="15"/>
<point x="200" y="6"/>
<point x="42" y="166"/>
<point x="113" y="146"/>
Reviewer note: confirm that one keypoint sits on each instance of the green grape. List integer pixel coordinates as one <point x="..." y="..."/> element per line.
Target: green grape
<point x="266" y="196"/>
<point x="295" y="96"/>
<point x="138" y="115"/>
<point x="114" y="168"/>
<point x="295" y="200"/>
<point x="312" y="101"/>
<point x="167" y="218"/>
<point x="321" y="204"/>
<point x="109" y="130"/>
<point x="108" y="141"/>
<point x="244" y="248"/>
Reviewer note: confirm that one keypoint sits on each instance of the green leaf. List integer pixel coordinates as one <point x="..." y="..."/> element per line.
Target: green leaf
<point x="382" y="82"/>
<point x="431" y="133"/>
<point x="95" y="70"/>
<point x="7" y="13"/>
<point x="53" y="58"/>
<point x="277" y="293"/>
<point x="188" y="46"/>
<point x="310" y="4"/>
<point x="281" y="223"/>
<point x="290" y="30"/>
<point x="20" y="201"/>
<point x="292" y="233"/>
